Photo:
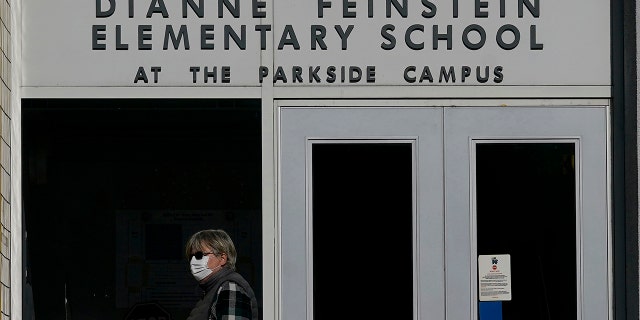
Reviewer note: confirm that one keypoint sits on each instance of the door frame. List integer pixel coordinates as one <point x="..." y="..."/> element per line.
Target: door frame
<point x="542" y="103"/>
<point x="588" y="125"/>
<point x="289" y="215"/>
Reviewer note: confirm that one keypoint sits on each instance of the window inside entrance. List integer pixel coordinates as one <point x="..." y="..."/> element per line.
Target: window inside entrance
<point x="112" y="190"/>
<point x="526" y="208"/>
<point x="362" y="198"/>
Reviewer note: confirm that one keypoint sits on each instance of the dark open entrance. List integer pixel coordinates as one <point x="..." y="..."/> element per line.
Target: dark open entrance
<point x="114" y="187"/>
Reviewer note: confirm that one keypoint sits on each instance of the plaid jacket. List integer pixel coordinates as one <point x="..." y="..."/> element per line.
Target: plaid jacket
<point x="232" y="303"/>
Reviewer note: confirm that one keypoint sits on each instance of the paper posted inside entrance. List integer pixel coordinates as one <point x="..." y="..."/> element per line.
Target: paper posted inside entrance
<point x="494" y="277"/>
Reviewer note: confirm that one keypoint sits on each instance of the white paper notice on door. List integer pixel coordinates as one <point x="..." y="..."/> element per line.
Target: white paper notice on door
<point x="494" y="277"/>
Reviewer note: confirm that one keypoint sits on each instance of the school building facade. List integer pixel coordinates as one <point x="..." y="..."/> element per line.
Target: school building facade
<point x="426" y="159"/>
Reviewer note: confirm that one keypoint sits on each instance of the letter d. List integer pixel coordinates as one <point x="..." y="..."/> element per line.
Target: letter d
<point x="103" y="14"/>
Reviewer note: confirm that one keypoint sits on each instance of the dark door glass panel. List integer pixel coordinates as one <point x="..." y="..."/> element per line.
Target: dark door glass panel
<point x="526" y="207"/>
<point x="362" y="231"/>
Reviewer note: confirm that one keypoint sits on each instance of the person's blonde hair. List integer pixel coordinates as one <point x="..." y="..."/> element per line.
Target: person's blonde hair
<point x="218" y="240"/>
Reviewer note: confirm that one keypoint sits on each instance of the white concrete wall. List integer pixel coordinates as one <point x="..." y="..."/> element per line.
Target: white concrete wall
<point x="5" y="158"/>
<point x="10" y="251"/>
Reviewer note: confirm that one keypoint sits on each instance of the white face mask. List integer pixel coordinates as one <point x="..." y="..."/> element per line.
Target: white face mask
<point x="199" y="268"/>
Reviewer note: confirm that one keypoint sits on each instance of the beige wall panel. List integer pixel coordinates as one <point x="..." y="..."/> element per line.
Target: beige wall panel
<point x="4" y="66"/>
<point x="7" y="70"/>
<point x="6" y="270"/>
<point x="5" y="99"/>
<point x="5" y="184"/>
<point x="5" y="128"/>
<point x="5" y="37"/>
<point x="6" y="214"/>
<point x="6" y="48"/>
<point x="6" y="302"/>
<point x="5" y="245"/>
<point x="5" y="14"/>
<point x="5" y="156"/>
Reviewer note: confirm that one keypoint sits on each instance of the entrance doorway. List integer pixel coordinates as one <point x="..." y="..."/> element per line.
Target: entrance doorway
<point x="112" y="190"/>
<point x="527" y="183"/>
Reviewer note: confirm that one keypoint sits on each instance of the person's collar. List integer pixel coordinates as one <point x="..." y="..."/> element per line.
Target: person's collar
<point x="214" y="278"/>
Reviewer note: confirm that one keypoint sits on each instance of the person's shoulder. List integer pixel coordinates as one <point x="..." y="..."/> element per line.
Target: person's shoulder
<point x="233" y="286"/>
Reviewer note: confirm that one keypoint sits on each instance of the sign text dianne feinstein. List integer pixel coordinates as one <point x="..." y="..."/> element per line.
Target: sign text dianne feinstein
<point x="416" y="37"/>
<point x="473" y="36"/>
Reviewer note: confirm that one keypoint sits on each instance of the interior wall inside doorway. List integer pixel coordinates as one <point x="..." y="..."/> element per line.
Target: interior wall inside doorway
<point x="113" y="188"/>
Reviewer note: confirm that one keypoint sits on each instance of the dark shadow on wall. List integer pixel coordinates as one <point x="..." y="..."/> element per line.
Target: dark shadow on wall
<point x="113" y="188"/>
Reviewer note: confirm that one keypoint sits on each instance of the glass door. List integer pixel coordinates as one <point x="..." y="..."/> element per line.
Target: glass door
<point x="526" y="218"/>
<point x="479" y="213"/>
<point x="361" y="213"/>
